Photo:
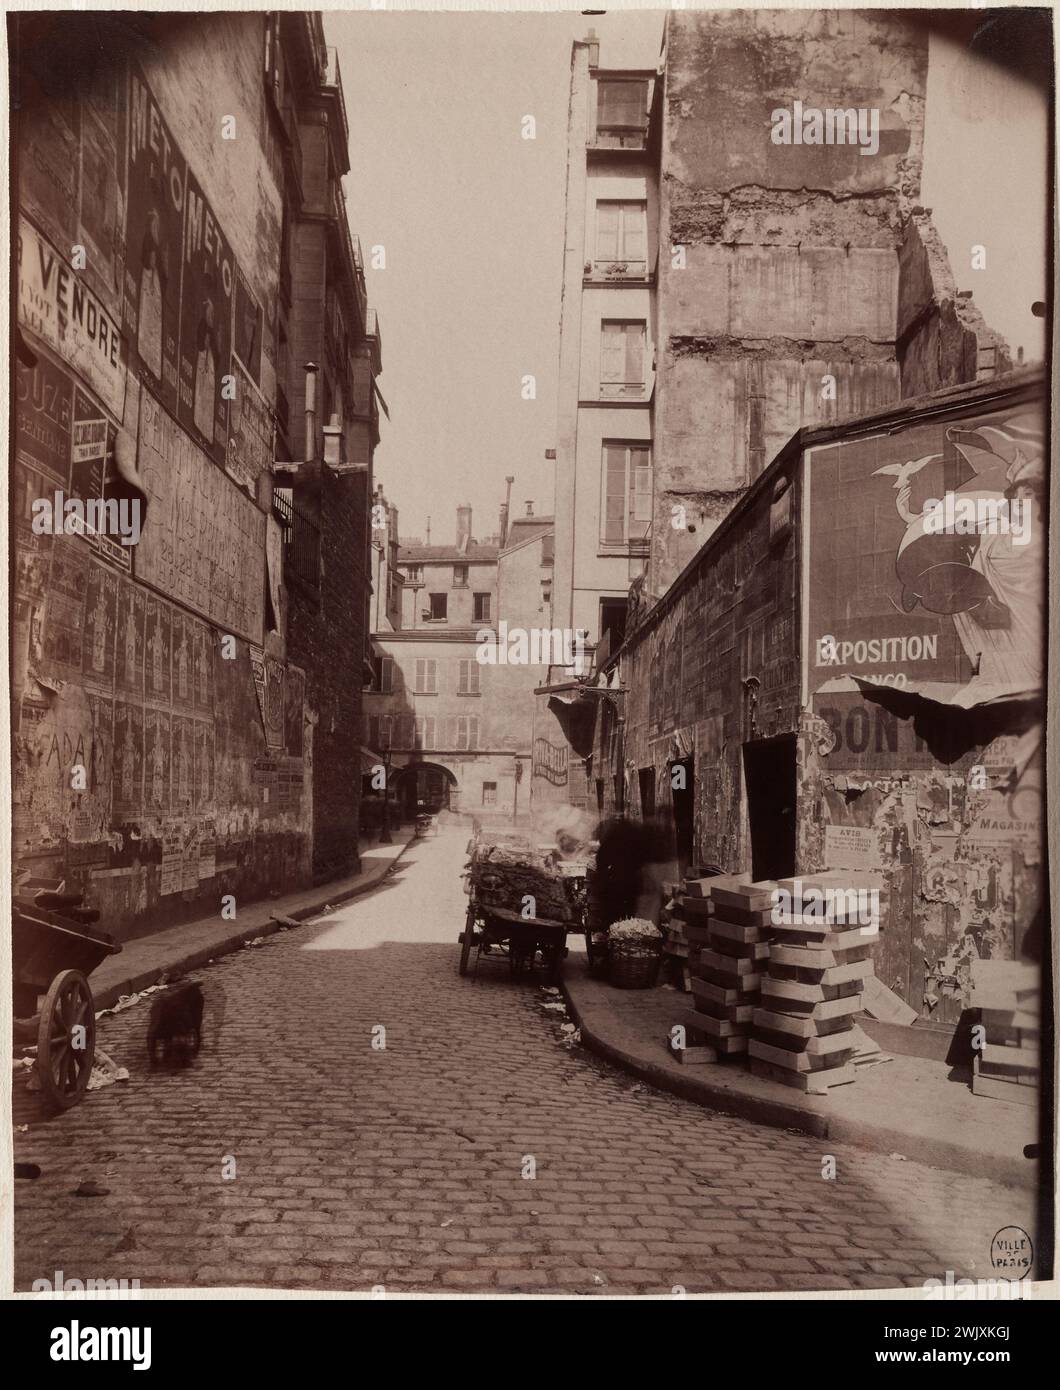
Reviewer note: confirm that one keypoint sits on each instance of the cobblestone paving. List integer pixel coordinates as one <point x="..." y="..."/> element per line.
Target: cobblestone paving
<point x="358" y="1166"/>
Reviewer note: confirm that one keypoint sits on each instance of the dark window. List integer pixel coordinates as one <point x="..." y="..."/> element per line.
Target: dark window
<point x="489" y="793"/>
<point x="613" y="621"/>
<point x="482" y="608"/>
<point x="460" y="576"/>
<point x="439" y="607"/>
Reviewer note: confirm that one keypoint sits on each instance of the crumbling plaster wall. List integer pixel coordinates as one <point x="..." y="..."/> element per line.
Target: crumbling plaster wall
<point x="788" y="268"/>
<point x="943" y="339"/>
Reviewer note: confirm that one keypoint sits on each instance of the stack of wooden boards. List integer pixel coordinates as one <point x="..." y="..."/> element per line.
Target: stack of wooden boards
<point x="1008" y="996"/>
<point x="675" y="943"/>
<point x="506" y="875"/>
<point x="725" y="923"/>
<point x="803" y="1032"/>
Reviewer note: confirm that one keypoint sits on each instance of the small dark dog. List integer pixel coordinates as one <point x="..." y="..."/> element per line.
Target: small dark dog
<point x="175" y="1024"/>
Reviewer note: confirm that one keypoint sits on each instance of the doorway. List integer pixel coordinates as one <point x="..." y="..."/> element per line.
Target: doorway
<point x="646" y="778"/>
<point x="682" y="794"/>
<point x="769" y="777"/>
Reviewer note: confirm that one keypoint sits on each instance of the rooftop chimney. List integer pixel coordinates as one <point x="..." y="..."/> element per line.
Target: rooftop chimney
<point x="504" y="510"/>
<point x="463" y="526"/>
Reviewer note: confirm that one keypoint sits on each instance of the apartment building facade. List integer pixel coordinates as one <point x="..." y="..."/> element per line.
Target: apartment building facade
<point x="607" y="333"/>
<point x="451" y="731"/>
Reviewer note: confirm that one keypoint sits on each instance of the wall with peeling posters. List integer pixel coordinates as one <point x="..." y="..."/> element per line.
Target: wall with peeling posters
<point x="832" y="655"/>
<point x="148" y="254"/>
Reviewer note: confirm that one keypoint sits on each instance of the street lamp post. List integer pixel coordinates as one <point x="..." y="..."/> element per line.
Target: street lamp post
<point x="385" y="837"/>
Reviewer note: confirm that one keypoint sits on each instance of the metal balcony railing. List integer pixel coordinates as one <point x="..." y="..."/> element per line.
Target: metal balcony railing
<point x="301" y="538"/>
<point x="331" y="80"/>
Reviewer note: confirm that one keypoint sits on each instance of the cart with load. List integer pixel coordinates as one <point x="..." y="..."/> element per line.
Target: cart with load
<point x="522" y="904"/>
<point x="54" y="948"/>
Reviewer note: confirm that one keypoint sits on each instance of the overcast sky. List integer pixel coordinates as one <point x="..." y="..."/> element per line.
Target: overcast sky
<point x="471" y="218"/>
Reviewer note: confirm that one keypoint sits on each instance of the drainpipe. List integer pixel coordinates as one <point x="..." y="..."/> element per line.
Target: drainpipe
<point x="310" y="411"/>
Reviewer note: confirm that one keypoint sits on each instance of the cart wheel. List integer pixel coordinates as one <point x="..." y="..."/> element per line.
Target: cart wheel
<point x="467" y="937"/>
<point x="63" y="1068"/>
<point x="596" y="954"/>
<point x="555" y="964"/>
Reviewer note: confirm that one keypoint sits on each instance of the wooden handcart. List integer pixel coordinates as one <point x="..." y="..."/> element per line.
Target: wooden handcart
<point x="55" y="948"/>
<point x="498" y="922"/>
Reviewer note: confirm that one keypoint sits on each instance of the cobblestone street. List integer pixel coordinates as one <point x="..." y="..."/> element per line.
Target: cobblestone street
<point x="404" y="1166"/>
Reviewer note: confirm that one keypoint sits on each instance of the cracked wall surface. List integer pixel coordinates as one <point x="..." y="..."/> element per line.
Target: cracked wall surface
<point x="779" y="309"/>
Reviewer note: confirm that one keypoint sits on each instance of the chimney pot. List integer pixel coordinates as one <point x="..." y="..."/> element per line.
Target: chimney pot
<point x="463" y="526"/>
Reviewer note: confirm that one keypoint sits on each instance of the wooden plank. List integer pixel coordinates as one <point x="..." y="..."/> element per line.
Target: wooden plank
<point x="810" y="999"/>
<point x="743" y="916"/>
<point x="805" y="1027"/>
<point x="724" y="979"/>
<point x="742" y="950"/>
<point x="820" y="959"/>
<point x="696" y="1056"/>
<point x="817" y="975"/>
<point x="715" y="1027"/>
<point x="796" y="1061"/>
<point x="731" y="1013"/>
<point x="1022" y="1058"/>
<point x="695" y="909"/>
<point x="735" y="931"/>
<point x="995" y="1089"/>
<point x="698" y="936"/>
<point x="706" y="989"/>
<point x="815" y="1083"/>
<point x="750" y="897"/>
<point x="884" y="1004"/>
<point x="731" y="965"/>
<point x="820" y="940"/>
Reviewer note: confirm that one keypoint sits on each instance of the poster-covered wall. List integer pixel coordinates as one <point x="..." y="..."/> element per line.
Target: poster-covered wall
<point x="922" y="666"/>
<point x="136" y="320"/>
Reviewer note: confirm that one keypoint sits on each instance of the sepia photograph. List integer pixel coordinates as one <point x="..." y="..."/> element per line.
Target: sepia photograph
<point x="528" y="662"/>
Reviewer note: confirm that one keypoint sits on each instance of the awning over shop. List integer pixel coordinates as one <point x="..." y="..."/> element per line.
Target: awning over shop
<point x="370" y="761"/>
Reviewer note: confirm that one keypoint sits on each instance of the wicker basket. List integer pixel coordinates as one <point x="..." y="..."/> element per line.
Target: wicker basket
<point x="633" y="966"/>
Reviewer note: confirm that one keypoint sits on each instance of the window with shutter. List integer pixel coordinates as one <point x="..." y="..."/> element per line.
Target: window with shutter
<point x="627" y="493"/>
<point x="622" y="357"/>
<point x="621" y="237"/>
<point x="621" y="113"/>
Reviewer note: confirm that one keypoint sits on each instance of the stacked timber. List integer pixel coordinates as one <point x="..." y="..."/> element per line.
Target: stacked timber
<point x="508" y="875"/>
<point x="726" y="924"/>
<point x="675" y="942"/>
<point x="1006" y="1064"/>
<point x="803" y="1032"/>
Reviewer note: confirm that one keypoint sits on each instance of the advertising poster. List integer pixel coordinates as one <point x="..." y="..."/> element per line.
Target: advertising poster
<point x="43" y="406"/>
<point x="102" y="172"/>
<point x="154" y="230"/>
<point x="207" y="299"/>
<point x="127" y="794"/>
<point x="247" y="329"/>
<point x="926" y="553"/>
<point x="56" y="304"/>
<point x="205" y="543"/>
<point x="249" y="432"/>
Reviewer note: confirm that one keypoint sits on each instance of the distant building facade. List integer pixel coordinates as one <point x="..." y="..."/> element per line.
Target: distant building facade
<point x="456" y="731"/>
